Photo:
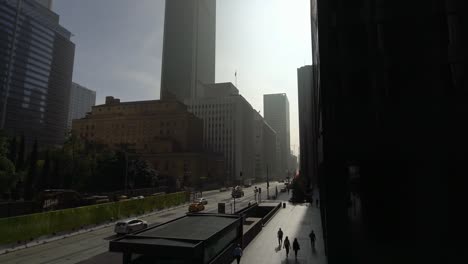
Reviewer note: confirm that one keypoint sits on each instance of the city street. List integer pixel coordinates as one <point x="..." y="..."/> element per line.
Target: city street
<point x="84" y="246"/>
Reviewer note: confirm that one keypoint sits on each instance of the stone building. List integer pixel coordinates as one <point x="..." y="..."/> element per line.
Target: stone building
<point x="162" y="132"/>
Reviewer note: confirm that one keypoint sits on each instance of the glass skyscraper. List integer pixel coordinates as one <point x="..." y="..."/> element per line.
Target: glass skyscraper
<point x="36" y="65"/>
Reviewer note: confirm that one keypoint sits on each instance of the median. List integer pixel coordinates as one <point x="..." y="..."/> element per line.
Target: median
<point x="28" y="227"/>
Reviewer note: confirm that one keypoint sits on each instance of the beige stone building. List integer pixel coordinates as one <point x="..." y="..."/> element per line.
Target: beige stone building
<point x="161" y="131"/>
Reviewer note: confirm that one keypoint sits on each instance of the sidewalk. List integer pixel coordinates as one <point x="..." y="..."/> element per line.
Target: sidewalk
<point x="296" y="221"/>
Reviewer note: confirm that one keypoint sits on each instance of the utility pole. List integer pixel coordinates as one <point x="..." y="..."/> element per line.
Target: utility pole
<point x="126" y="171"/>
<point x="268" y="184"/>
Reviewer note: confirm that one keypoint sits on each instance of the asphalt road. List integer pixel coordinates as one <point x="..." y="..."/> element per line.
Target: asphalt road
<point x="84" y="246"/>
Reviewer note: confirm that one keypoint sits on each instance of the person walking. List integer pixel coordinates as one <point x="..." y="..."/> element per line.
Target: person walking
<point x="287" y="246"/>
<point x="296" y="247"/>
<point x="312" y="238"/>
<point x="280" y="237"/>
<point x="237" y="253"/>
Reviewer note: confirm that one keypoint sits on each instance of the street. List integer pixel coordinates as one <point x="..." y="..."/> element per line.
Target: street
<point x="81" y="247"/>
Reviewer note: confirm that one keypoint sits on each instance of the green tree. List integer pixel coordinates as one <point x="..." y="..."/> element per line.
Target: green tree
<point x="13" y="150"/>
<point x="7" y="174"/>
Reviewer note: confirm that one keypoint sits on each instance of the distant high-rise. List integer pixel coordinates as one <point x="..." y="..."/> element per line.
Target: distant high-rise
<point x="276" y="111"/>
<point x="36" y="66"/>
<point x="188" y="48"/>
<point x="45" y="3"/>
<point x="82" y="100"/>
<point x="228" y="128"/>
<point x="309" y="123"/>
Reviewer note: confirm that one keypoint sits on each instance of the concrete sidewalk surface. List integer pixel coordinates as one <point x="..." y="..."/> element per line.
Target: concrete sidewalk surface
<point x="296" y="221"/>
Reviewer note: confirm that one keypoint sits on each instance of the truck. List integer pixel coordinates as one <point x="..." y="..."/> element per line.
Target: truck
<point x="237" y="192"/>
<point x="247" y="182"/>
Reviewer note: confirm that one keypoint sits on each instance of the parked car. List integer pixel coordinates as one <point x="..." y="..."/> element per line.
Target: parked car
<point x="203" y="201"/>
<point x="196" y="207"/>
<point x="130" y="226"/>
<point x="222" y="189"/>
<point x="283" y="189"/>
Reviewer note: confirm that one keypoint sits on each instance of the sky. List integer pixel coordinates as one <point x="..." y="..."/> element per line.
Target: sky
<point x="119" y="45"/>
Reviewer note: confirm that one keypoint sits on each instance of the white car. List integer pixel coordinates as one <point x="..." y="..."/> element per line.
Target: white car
<point x="202" y="201"/>
<point x="130" y="226"/>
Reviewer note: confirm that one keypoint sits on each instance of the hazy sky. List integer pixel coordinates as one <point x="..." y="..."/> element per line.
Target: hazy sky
<point x="119" y="45"/>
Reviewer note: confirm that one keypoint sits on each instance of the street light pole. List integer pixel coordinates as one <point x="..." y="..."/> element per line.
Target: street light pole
<point x="268" y="184"/>
<point x="126" y="171"/>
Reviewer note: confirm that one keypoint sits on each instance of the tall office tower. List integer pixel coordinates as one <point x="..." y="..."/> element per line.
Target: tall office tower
<point x="309" y="123"/>
<point x="265" y="149"/>
<point x="228" y="128"/>
<point x="45" y="3"/>
<point x="82" y="100"/>
<point x="36" y="66"/>
<point x="276" y="111"/>
<point x="188" y="48"/>
<point x="393" y="87"/>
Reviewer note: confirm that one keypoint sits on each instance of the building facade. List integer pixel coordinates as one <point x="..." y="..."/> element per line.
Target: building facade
<point x="276" y="111"/>
<point x="162" y="132"/>
<point x="82" y="100"/>
<point x="393" y="79"/>
<point x="265" y="150"/>
<point x="309" y="123"/>
<point x="189" y="48"/>
<point x="228" y="128"/>
<point x="36" y="66"/>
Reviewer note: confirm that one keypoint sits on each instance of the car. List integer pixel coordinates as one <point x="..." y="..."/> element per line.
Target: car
<point x="222" y="189"/>
<point x="130" y="226"/>
<point x="196" y="207"/>
<point x="203" y="201"/>
<point x="283" y="189"/>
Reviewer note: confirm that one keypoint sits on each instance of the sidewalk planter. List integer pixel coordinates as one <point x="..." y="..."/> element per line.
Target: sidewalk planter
<point x="27" y="227"/>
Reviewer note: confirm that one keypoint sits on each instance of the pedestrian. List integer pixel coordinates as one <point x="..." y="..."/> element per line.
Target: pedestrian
<point x="287" y="246"/>
<point x="237" y="253"/>
<point x="312" y="238"/>
<point x="288" y="189"/>
<point x="296" y="247"/>
<point x="280" y="237"/>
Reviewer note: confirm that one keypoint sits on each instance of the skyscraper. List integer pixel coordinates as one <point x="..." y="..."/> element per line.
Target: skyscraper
<point x="188" y="48"/>
<point x="36" y="66"/>
<point x="393" y="92"/>
<point x="45" y="3"/>
<point x="309" y="123"/>
<point x="276" y="111"/>
<point x="82" y="100"/>
<point x="228" y="128"/>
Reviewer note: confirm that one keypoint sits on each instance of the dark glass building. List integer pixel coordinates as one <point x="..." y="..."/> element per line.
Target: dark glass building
<point x="393" y="92"/>
<point x="189" y="48"/>
<point x="36" y="64"/>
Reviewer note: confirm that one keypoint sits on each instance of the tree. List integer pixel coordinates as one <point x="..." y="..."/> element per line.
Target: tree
<point x="44" y="180"/>
<point x="31" y="176"/>
<point x="141" y="174"/>
<point x="298" y="186"/>
<point x="13" y="150"/>
<point x="7" y="174"/>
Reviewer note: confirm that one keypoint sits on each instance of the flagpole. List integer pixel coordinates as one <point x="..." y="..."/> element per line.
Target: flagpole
<point x="235" y="75"/>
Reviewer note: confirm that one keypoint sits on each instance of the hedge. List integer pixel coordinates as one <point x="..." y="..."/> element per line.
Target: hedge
<point x="27" y="227"/>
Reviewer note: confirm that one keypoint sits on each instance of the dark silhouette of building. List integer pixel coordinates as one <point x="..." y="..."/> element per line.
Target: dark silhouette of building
<point x="36" y="65"/>
<point x="189" y="48"/>
<point x="392" y="77"/>
<point x="309" y="123"/>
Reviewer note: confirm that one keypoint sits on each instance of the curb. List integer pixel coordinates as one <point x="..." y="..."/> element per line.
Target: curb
<point x="33" y="243"/>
